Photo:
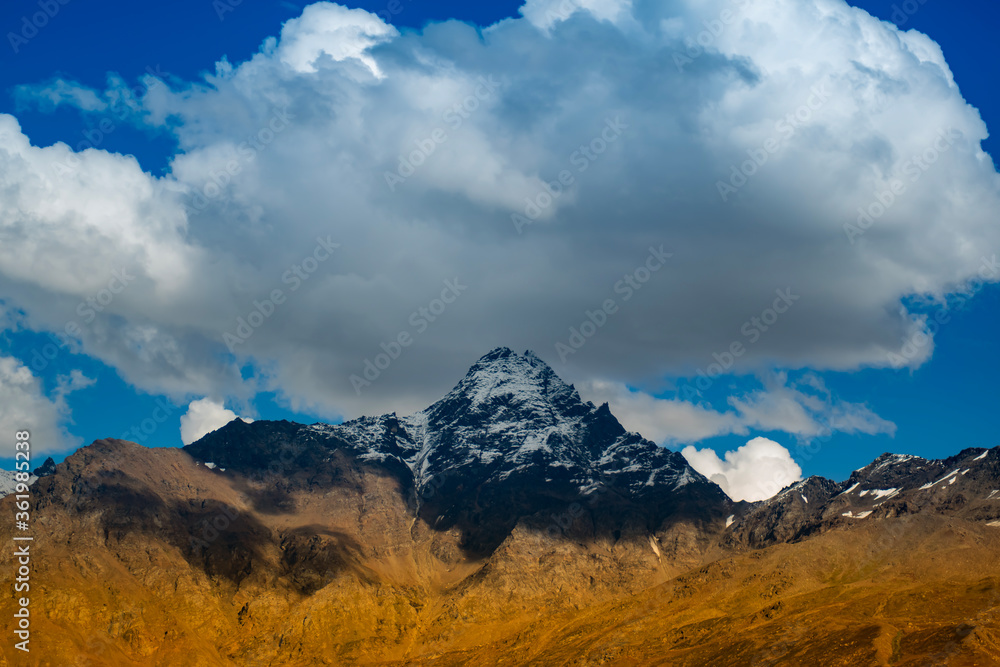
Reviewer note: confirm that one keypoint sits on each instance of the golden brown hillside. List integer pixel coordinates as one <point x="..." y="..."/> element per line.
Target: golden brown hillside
<point x="332" y="567"/>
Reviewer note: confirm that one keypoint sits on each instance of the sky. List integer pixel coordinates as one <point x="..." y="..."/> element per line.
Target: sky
<point x="763" y="231"/>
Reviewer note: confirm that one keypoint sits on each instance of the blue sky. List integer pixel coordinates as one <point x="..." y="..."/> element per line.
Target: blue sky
<point x="937" y="407"/>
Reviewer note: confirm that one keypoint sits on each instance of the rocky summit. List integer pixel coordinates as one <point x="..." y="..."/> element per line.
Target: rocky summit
<point x="509" y="523"/>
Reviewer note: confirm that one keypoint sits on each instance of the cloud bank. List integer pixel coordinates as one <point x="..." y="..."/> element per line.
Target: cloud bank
<point x="804" y="408"/>
<point x="535" y="162"/>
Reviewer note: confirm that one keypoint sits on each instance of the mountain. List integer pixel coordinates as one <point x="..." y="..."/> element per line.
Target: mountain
<point x="509" y="523"/>
<point x="510" y="441"/>
<point x="965" y="486"/>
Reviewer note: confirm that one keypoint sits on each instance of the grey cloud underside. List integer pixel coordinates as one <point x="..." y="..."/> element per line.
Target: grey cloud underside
<point x="323" y="174"/>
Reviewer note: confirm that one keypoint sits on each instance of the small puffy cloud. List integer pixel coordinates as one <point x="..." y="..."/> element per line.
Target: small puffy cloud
<point x="755" y="471"/>
<point x="335" y="31"/>
<point x="67" y="384"/>
<point x="25" y="407"/>
<point x="203" y="417"/>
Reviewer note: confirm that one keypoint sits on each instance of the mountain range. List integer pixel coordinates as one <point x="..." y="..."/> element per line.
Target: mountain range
<point x="509" y="523"/>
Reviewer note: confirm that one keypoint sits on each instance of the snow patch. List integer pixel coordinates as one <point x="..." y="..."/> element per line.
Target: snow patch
<point x="948" y="476"/>
<point x="981" y="456"/>
<point x="8" y="482"/>
<point x="729" y="521"/>
<point x="880" y="493"/>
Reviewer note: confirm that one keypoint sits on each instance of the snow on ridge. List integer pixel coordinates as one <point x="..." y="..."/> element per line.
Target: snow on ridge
<point x="8" y="483"/>
<point x="949" y="475"/>
<point x="527" y="379"/>
<point x="684" y="479"/>
<point x="892" y="459"/>
<point x="797" y="486"/>
<point x="879" y="493"/>
<point x="510" y="412"/>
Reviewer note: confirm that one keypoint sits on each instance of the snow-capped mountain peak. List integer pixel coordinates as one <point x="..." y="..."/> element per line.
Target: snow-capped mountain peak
<point x="511" y="383"/>
<point x="511" y="431"/>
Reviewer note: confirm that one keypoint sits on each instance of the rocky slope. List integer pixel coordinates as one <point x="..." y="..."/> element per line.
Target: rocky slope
<point x="510" y="441"/>
<point x="965" y="486"/>
<point x="509" y="523"/>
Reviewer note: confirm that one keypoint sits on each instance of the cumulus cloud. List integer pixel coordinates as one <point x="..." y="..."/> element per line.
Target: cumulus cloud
<point x="335" y="31"/>
<point x="204" y="416"/>
<point x="545" y="14"/>
<point x="295" y="144"/>
<point x="755" y="471"/>
<point x="804" y="408"/>
<point x="24" y="406"/>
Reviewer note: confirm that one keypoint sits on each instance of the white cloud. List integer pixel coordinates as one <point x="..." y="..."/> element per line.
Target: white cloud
<point x="24" y="406"/>
<point x="660" y="419"/>
<point x="335" y="31"/>
<point x="241" y="204"/>
<point x="75" y="381"/>
<point x="755" y="471"/>
<point x="805" y="408"/>
<point x="545" y="14"/>
<point x="204" y="416"/>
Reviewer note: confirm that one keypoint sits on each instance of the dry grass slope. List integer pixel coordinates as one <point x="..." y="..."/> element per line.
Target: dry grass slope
<point x="333" y="569"/>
